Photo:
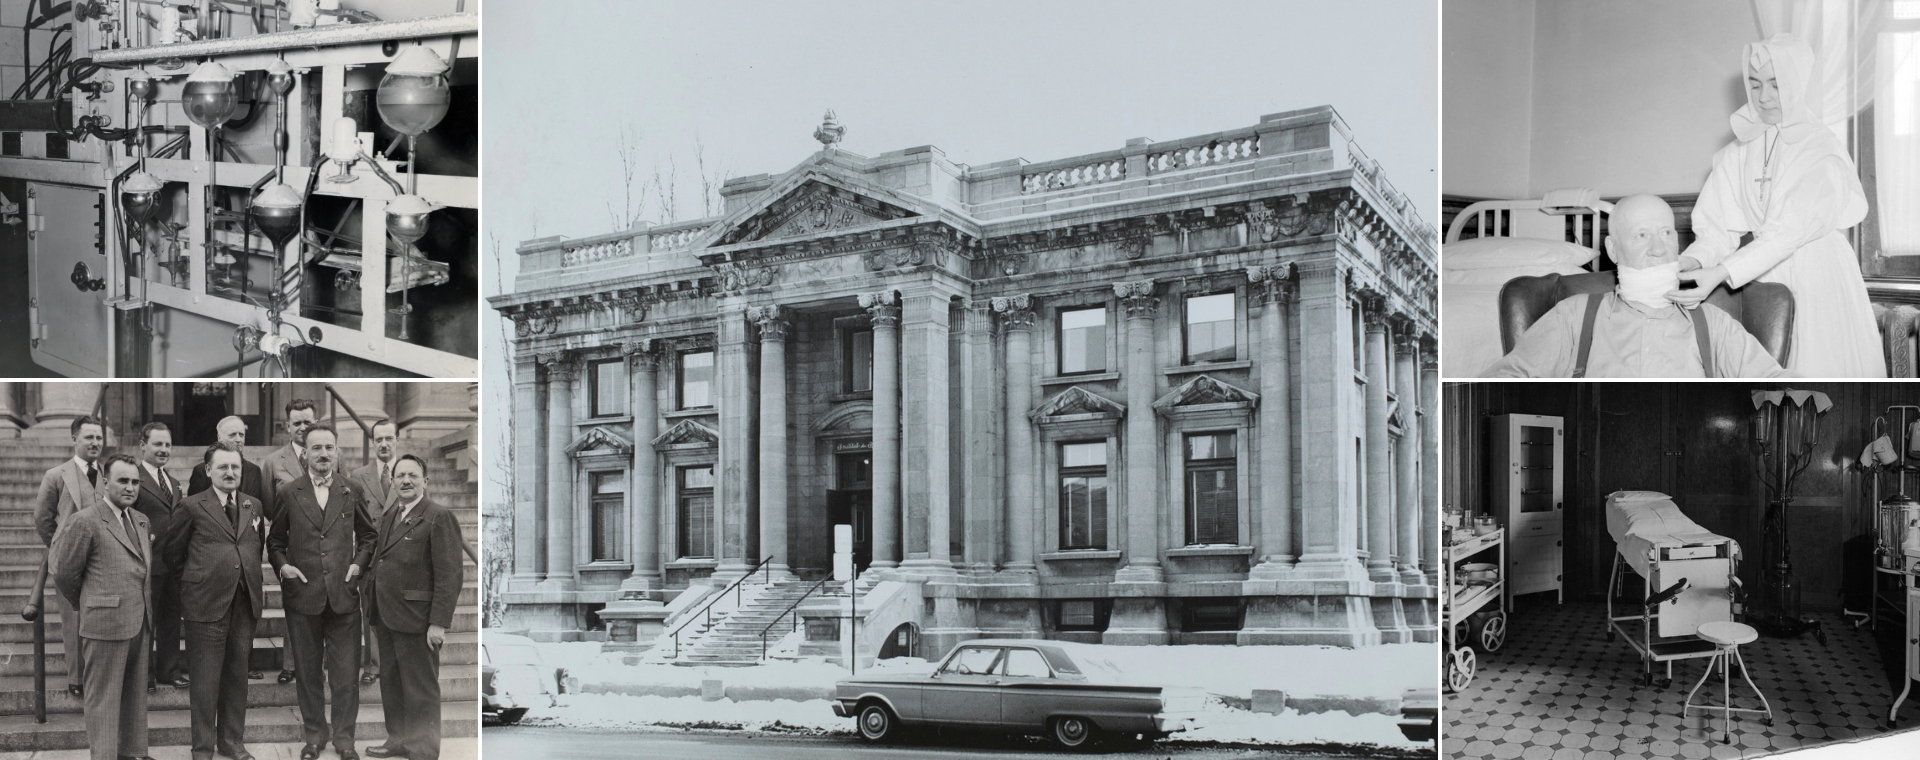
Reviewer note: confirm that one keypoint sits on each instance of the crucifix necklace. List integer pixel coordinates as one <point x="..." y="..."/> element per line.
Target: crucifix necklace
<point x="1766" y="168"/>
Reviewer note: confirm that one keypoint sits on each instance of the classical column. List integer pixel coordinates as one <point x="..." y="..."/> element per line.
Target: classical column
<point x="1329" y="516"/>
<point x="884" y="309"/>
<point x="1378" y="475"/>
<point x="1016" y="319"/>
<point x="773" y="435"/>
<point x="645" y="483"/>
<point x="736" y="447"/>
<point x="926" y="430"/>
<point x="1430" y="457"/>
<point x="10" y="412"/>
<point x="60" y="404"/>
<point x="1407" y="458"/>
<point x="981" y="491"/>
<point x="561" y="368"/>
<point x="1275" y="285"/>
<point x="527" y="529"/>
<point x="1143" y="440"/>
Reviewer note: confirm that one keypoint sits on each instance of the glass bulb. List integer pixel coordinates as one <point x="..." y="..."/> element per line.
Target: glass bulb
<point x="209" y="97"/>
<point x="414" y="94"/>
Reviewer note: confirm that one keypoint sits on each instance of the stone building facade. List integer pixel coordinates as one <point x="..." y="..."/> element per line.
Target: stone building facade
<point x="1175" y="392"/>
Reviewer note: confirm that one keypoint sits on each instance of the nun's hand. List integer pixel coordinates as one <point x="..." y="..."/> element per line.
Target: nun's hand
<point x="1688" y="263"/>
<point x="1704" y="281"/>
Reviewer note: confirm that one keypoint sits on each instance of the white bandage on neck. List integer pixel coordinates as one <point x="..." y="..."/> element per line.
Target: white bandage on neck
<point x="1649" y="286"/>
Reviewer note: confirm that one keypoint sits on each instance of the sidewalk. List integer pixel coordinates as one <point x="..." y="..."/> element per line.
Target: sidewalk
<point x="461" y="748"/>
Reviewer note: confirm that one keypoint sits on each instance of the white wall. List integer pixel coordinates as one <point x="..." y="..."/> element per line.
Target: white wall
<point x="1487" y="103"/>
<point x="1627" y="96"/>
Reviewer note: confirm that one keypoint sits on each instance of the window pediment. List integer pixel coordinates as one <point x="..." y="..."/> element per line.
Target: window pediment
<point x="597" y="439"/>
<point x="1075" y="402"/>
<point x="1206" y="392"/>
<point x="687" y="431"/>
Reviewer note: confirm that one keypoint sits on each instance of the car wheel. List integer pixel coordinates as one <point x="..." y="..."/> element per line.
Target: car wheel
<point x="877" y="723"/>
<point x="510" y="717"/>
<point x="1073" y="732"/>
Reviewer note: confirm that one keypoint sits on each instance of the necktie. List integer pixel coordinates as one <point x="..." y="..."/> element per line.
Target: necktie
<point x="233" y="512"/>
<point x="93" y="475"/>
<point x="126" y="522"/>
<point x="167" y="483"/>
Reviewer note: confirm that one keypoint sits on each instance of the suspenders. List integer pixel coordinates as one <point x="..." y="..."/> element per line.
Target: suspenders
<point x="1593" y="311"/>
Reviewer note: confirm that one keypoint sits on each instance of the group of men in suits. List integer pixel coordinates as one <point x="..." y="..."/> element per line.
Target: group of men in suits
<point x="360" y="557"/>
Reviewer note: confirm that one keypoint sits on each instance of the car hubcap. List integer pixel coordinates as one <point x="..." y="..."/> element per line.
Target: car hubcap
<point x="1073" y="731"/>
<point x="873" y="722"/>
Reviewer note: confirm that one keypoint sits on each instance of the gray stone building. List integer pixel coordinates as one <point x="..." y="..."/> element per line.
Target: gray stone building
<point x="1175" y="392"/>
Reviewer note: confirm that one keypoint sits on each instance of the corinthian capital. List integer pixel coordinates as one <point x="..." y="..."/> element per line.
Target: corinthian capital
<point x="560" y="364"/>
<point x="772" y="321"/>
<point x="641" y="354"/>
<point x="1137" y="298"/>
<point x="1273" y="282"/>
<point x="882" y="307"/>
<point x="1016" y="312"/>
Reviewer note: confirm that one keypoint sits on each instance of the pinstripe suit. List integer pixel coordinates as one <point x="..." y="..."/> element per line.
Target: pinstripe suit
<point x="101" y="569"/>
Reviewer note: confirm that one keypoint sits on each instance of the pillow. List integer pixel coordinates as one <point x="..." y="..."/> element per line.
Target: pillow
<point x="1501" y="253"/>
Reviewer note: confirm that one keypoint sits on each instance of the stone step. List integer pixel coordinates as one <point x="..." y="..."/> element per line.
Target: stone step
<point x="172" y="728"/>
<point x="16" y="692"/>
<point x="462" y="648"/>
<point x="273" y="622"/>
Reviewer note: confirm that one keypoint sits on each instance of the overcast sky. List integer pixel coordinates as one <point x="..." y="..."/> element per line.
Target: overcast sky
<point x="983" y="81"/>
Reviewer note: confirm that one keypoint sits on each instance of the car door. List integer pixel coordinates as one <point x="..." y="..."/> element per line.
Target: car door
<point x="1028" y="690"/>
<point x="966" y="688"/>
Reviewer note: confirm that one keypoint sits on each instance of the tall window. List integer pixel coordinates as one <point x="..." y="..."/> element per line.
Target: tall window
<point x="1210" y="328"/>
<point x="608" y="381"/>
<point x="696" y="379"/>
<point x="1083" y="341"/>
<point x="858" y="369"/>
<point x="1083" y="495"/>
<point x="696" y="511"/>
<point x="1213" y="504"/>
<point x="609" y="509"/>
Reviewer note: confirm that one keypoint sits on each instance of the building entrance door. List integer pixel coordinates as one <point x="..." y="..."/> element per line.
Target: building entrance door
<point x="852" y="502"/>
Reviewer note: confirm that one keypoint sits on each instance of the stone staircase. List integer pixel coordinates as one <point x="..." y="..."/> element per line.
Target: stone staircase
<point x="734" y="639"/>
<point x="273" y="713"/>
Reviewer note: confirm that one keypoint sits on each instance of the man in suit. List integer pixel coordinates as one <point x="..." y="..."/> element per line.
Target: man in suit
<point x="67" y="488"/>
<point x="216" y="540"/>
<point x="98" y="560"/>
<point x="374" y="478"/>
<point x="320" y="545"/>
<point x="159" y="495"/>
<point x="233" y="431"/>
<point x="282" y="467"/>
<point x="414" y="584"/>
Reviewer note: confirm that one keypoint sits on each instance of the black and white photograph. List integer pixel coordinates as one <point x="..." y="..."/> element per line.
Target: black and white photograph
<point x="990" y="379"/>
<point x="240" y="569"/>
<point x="1642" y="189"/>
<point x="227" y="188"/>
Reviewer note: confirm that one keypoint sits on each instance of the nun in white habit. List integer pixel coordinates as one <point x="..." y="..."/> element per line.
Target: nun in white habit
<point x="1788" y="180"/>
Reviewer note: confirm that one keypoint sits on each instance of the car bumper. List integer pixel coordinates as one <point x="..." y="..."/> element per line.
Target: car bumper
<point x="842" y="709"/>
<point x="1167" y="723"/>
<point x="1417" y="729"/>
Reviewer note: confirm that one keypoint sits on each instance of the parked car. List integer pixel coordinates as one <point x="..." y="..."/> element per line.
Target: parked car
<point x="1420" y="714"/>
<point x="1067" y="692"/>
<point x="513" y="679"/>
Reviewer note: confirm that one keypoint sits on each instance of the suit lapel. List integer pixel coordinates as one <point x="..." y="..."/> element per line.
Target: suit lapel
<point x="215" y="514"/>
<point x="335" y="501"/>
<point x="395" y="529"/>
<point x="150" y="485"/>
<point x="114" y="525"/>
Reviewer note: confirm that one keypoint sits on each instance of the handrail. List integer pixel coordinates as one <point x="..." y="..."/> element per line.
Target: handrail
<point x="708" y="606"/>
<point x="100" y="404"/>
<point x="32" y="614"/>
<point x="783" y="613"/>
<point x="366" y="431"/>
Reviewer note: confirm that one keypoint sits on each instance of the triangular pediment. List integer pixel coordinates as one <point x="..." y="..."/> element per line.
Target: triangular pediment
<point x="1205" y="389"/>
<point x="1076" y="400"/>
<point x="687" y="431"/>
<point x="811" y="203"/>
<point x="599" y="438"/>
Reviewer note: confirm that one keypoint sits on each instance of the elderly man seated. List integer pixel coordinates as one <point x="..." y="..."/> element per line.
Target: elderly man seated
<point x="1637" y="330"/>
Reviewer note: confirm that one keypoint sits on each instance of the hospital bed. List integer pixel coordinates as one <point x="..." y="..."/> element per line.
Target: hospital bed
<point x="1492" y="242"/>
<point x="1689" y="574"/>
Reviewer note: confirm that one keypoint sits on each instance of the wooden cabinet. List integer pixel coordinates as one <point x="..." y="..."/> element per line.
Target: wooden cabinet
<point x="1526" y="489"/>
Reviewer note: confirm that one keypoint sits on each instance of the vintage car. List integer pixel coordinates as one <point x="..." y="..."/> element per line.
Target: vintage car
<point x="1067" y="692"/>
<point x="1420" y="713"/>
<point x="513" y="679"/>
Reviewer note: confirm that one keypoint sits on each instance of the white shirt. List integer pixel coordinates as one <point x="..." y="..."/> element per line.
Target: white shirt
<point x="321" y="488"/>
<point x="408" y="509"/>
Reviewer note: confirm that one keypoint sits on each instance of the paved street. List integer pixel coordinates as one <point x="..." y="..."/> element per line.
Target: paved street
<point x="533" y="743"/>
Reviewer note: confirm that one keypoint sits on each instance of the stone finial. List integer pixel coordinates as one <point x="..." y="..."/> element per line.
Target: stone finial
<point x="830" y="131"/>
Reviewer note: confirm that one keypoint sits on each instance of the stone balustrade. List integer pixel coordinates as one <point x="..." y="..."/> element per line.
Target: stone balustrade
<point x="1106" y="170"/>
<point x="1216" y="151"/>
<point x="672" y="239"/>
<point x="588" y="254"/>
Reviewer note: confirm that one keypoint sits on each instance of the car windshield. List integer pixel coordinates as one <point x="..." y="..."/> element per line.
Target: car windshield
<point x="512" y="654"/>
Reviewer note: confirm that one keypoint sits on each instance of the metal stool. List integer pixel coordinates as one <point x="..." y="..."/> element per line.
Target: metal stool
<point x="1727" y="638"/>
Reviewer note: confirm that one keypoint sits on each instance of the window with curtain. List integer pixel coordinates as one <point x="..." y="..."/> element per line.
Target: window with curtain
<point x="1083" y="340"/>
<point x="696" y="380"/>
<point x="609" y="512"/>
<point x="1083" y="495"/>
<point x="1213" y="503"/>
<point x="607" y="381"/>
<point x="695" y="491"/>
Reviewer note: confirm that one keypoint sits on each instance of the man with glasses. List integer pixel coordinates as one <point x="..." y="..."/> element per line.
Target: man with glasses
<point x="414" y="584"/>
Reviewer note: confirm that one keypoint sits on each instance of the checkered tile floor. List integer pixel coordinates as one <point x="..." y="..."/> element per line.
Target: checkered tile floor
<point x="1559" y="690"/>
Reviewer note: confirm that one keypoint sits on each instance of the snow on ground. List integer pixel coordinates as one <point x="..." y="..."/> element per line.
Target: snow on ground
<point x="1381" y="672"/>
<point x="1222" y="723"/>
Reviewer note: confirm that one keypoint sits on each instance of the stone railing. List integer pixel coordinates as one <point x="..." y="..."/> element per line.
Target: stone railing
<point x="679" y="238"/>
<point x="588" y="254"/>
<point x="1219" y="150"/>
<point x="1106" y="170"/>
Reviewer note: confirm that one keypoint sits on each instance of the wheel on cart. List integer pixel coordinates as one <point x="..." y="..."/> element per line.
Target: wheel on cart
<point x="1489" y="631"/>
<point x="1460" y="667"/>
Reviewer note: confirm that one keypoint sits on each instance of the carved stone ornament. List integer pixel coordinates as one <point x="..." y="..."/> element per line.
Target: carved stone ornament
<point x="560" y="364"/>
<point x="1138" y="298"/>
<point x="1132" y="247"/>
<point x="1076" y="400"/>
<point x="527" y="324"/>
<point x="599" y="438"/>
<point x="1011" y="264"/>
<point x="734" y="277"/>
<point x="1016" y="312"/>
<point x="882" y="307"/>
<point x="1274" y="281"/>
<point x="641" y="354"/>
<point x="772" y="321"/>
<point x="1429" y="352"/>
<point x="687" y="431"/>
<point x="1205" y="390"/>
